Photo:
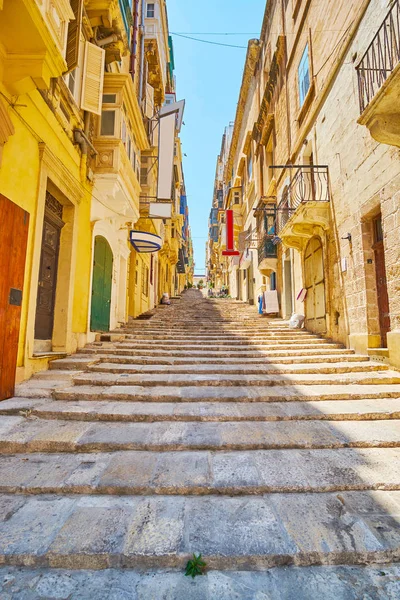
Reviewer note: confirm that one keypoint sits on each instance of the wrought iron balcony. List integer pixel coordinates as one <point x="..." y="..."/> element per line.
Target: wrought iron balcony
<point x="309" y="184"/>
<point x="267" y="249"/>
<point x="305" y="205"/>
<point x="381" y="57"/>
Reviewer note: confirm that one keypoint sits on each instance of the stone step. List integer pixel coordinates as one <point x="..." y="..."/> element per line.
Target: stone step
<point x="76" y="362"/>
<point x="217" y="336"/>
<point x="238" y="369"/>
<point x="227" y="379"/>
<point x="281" y="583"/>
<point x="199" y="473"/>
<point x="97" y="532"/>
<point x="155" y="352"/>
<point x="40" y="435"/>
<point x="261" y="361"/>
<point x="299" y="393"/>
<point x="105" y="410"/>
<point x="237" y="345"/>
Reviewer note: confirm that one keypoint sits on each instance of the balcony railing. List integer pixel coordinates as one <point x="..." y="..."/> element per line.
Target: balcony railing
<point x="310" y="183"/>
<point x="381" y="57"/>
<point x="267" y="249"/>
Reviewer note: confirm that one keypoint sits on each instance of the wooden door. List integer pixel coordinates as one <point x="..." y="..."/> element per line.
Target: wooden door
<point x="101" y="285"/>
<point x="48" y="270"/>
<point x="14" y="226"/>
<point x="381" y="284"/>
<point x="315" y="307"/>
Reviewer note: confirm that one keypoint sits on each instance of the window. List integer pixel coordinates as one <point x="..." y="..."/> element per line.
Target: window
<point x="72" y="82"/>
<point x="107" y="122"/>
<point x="249" y="166"/>
<point x="109" y="98"/>
<point x="123" y="132"/>
<point x="150" y="11"/>
<point x="304" y="76"/>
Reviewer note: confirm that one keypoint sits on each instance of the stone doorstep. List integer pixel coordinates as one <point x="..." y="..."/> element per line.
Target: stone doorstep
<point x="40" y="435"/>
<point x="279" y="583"/>
<point x="230" y="380"/>
<point x="297" y="393"/>
<point x="199" y="473"/>
<point x="231" y="533"/>
<point x="336" y="410"/>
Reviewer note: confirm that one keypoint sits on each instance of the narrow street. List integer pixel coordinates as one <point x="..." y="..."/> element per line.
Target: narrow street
<point x="205" y="428"/>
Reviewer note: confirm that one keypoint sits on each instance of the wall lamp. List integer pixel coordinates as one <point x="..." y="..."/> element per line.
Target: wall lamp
<point x="347" y="237"/>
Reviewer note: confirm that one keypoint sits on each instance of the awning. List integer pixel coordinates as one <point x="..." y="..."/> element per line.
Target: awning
<point x="143" y="241"/>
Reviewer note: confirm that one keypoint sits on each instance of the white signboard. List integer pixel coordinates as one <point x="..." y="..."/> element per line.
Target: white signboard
<point x="160" y="210"/>
<point x="166" y="143"/>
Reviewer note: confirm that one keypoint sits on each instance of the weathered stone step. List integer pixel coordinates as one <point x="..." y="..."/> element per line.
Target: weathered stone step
<point x="238" y="369"/>
<point x="279" y="360"/>
<point x="202" y="472"/>
<point x="217" y="336"/>
<point x="231" y="533"/>
<point x="104" y="410"/>
<point x="40" y="435"/>
<point x="300" y="393"/>
<point x="237" y="345"/>
<point x="227" y="379"/>
<point x="281" y="583"/>
<point x="262" y="353"/>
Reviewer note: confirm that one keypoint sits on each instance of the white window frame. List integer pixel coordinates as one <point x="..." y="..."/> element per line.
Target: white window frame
<point x="150" y="10"/>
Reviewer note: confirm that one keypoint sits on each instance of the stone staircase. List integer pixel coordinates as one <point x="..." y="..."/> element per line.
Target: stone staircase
<point x="205" y="428"/>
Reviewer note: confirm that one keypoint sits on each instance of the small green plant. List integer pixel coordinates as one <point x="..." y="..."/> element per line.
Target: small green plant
<point x="195" y="566"/>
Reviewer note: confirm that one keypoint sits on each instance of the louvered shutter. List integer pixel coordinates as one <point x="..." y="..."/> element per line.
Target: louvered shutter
<point x="74" y="31"/>
<point x="93" y="77"/>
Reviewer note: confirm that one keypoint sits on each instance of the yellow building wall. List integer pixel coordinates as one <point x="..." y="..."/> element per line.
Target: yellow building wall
<point x="37" y="131"/>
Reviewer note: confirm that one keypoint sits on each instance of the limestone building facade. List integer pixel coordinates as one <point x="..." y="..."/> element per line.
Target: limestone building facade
<point x="315" y="156"/>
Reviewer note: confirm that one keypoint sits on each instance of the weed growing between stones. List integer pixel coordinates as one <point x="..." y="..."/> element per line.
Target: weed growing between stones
<point x="195" y="566"/>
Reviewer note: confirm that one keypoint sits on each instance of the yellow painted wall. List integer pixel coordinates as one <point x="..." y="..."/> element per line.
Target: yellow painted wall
<point x="35" y="125"/>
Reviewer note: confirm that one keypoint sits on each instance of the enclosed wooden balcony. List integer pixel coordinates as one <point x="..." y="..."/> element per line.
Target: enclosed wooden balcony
<point x="305" y="205"/>
<point x="379" y="81"/>
<point x="112" y="22"/>
<point x="33" y="36"/>
<point x="120" y="139"/>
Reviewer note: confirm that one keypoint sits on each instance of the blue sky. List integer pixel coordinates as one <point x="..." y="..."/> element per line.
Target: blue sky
<point x="208" y="78"/>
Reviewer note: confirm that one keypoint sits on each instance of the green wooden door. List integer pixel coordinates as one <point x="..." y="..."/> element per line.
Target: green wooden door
<point x="101" y="286"/>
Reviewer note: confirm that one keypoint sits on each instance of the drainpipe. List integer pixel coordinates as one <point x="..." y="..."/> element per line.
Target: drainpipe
<point x="134" y="39"/>
<point x="81" y="137"/>
<point x="142" y="30"/>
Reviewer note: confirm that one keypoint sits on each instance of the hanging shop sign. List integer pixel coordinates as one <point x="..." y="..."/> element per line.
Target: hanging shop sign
<point x="145" y="242"/>
<point x="230" y="250"/>
<point x="160" y="210"/>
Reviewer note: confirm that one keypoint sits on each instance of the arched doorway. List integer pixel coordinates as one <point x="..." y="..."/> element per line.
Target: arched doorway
<point x="101" y="285"/>
<point x="314" y="276"/>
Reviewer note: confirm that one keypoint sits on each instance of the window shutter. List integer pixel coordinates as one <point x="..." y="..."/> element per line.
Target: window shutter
<point x="74" y="31"/>
<point x="93" y="77"/>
